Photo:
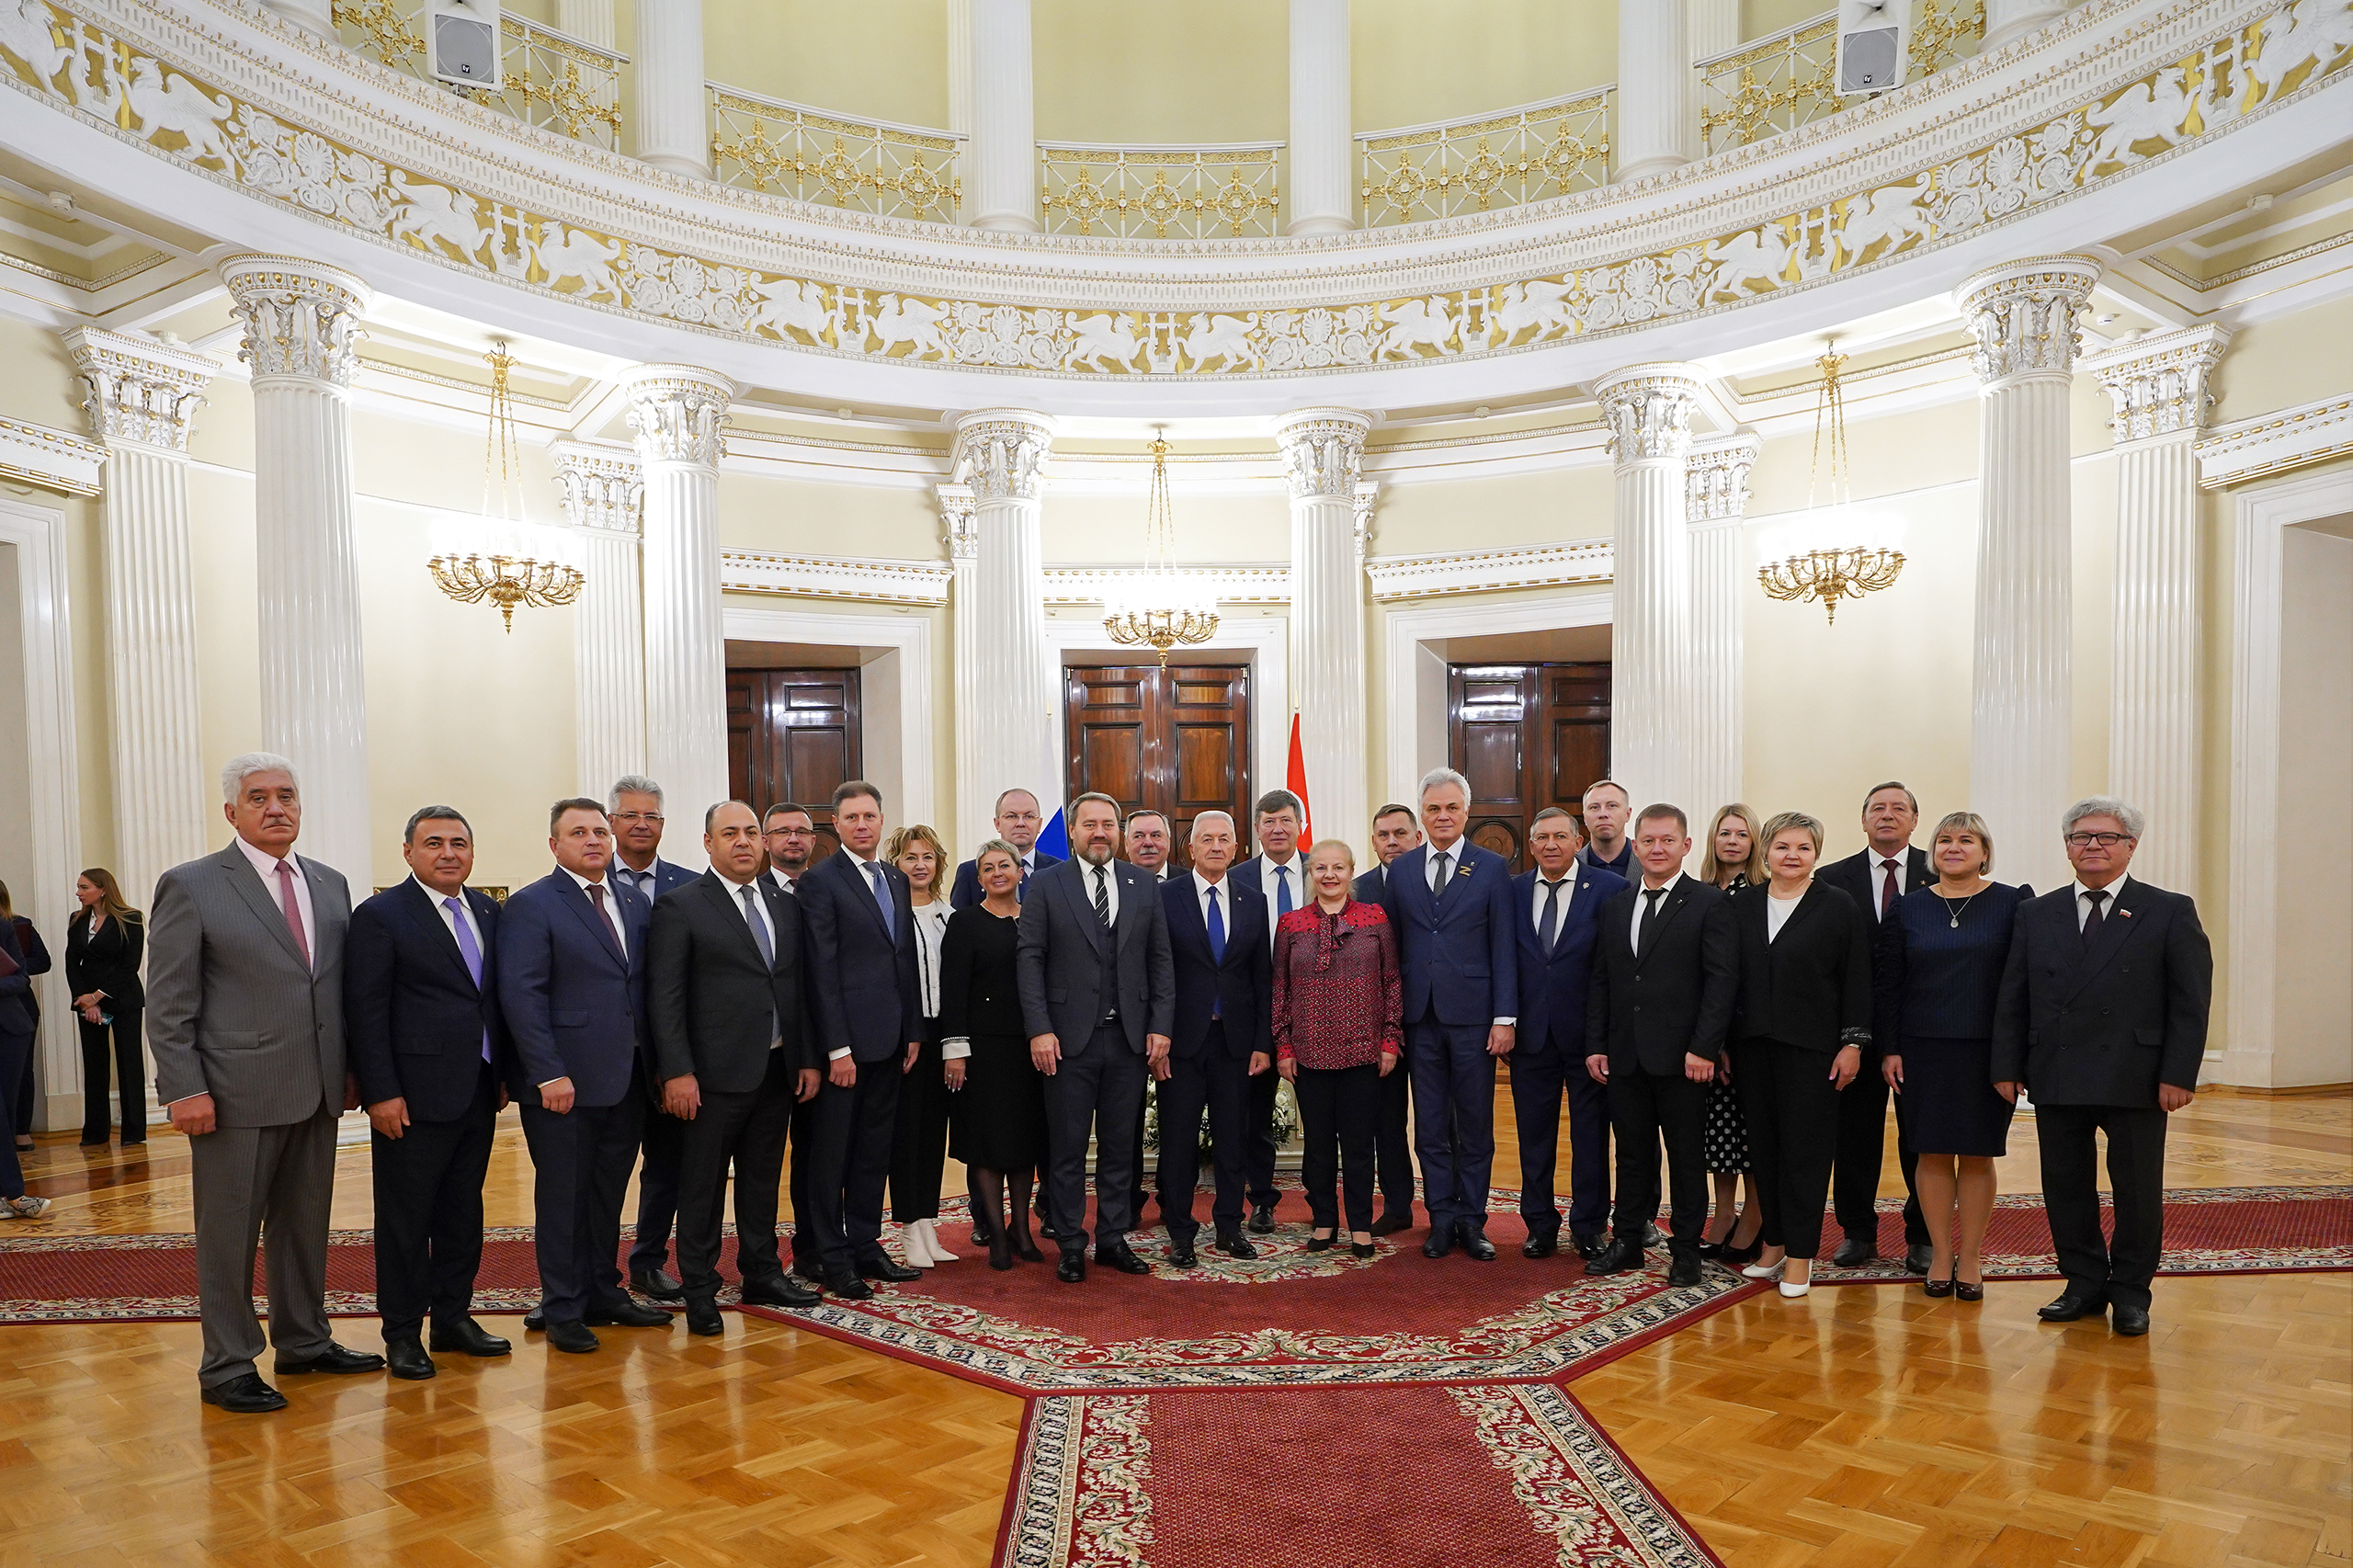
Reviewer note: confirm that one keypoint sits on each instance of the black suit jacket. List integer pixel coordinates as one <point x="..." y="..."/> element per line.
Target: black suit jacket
<point x="863" y="989"/>
<point x="1370" y="886"/>
<point x="1857" y="875"/>
<point x="1062" y="950"/>
<point x="715" y="1005"/>
<point x="413" y="1020"/>
<point x="1810" y="987"/>
<point x="107" y="962"/>
<point x="2105" y="1025"/>
<point x="1242" y="988"/>
<point x="1677" y="999"/>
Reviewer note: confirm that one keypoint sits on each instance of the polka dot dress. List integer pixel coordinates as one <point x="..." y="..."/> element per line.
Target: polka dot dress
<point x="1726" y="1138"/>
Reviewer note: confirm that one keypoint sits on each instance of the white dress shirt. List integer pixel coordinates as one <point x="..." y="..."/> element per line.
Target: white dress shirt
<point x="465" y="912"/>
<point x="1777" y="911"/>
<point x="265" y="865"/>
<point x="1271" y="880"/>
<point x="612" y="907"/>
<point x="1568" y="886"/>
<point x="931" y="938"/>
<point x="1110" y="885"/>
<point x="2114" y="890"/>
<point x="1643" y="902"/>
<point x="783" y="883"/>
<point x="1901" y="861"/>
<point x="758" y="913"/>
<point x="1225" y="886"/>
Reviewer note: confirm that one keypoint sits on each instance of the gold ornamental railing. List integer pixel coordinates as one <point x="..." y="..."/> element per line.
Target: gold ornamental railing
<point x="547" y="78"/>
<point x="870" y="165"/>
<point x="1229" y="191"/>
<point x="1771" y="85"/>
<point x="1520" y="155"/>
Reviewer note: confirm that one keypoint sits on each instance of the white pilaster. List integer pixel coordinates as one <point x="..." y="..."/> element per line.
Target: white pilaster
<point x="2154" y="741"/>
<point x="590" y="21"/>
<point x="671" y="115"/>
<point x="1322" y="142"/>
<point x="318" y="16"/>
<point x="959" y="533"/>
<point x="1653" y="129"/>
<point x="2023" y="316"/>
<point x="603" y="494"/>
<point x="1716" y="504"/>
<point x="677" y="413"/>
<point x="1009" y="682"/>
<point x="1003" y="148"/>
<point x="1652" y="718"/>
<point x="300" y="318"/>
<point x="2006" y="20"/>
<point x="1714" y="29"/>
<point x="1323" y="457"/>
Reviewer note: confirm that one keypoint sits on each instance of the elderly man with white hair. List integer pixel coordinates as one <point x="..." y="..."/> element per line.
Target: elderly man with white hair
<point x="245" y="1009"/>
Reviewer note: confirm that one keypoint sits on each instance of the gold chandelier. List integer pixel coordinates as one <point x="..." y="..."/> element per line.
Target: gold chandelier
<point x="1156" y="607"/>
<point x="505" y="581"/>
<point x="1832" y="572"/>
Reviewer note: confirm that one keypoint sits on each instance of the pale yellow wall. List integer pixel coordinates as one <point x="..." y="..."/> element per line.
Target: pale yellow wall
<point x="756" y="512"/>
<point x="1120" y="72"/>
<point x="2313" y="994"/>
<point x="1424" y="60"/>
<point x="1101" y="530"/>
<point x="884" y="58"/>
<point x="1476" y="514"/>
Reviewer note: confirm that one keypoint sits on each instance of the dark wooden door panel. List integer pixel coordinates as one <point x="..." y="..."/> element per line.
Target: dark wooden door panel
<point x="793" y="735"/>
<point x="1527" y="736"/>
<point x="1175" y="741"/>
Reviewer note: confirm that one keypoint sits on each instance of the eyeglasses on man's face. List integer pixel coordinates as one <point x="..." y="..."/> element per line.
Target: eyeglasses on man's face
<point x="638" y="816"/>
<point x="2103" y="840"/>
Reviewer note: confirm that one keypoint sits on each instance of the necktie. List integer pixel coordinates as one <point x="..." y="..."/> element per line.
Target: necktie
<point x="883" y="897"/>
<point x="1102" y="897"/>
<point x="1022" y="886"/>
<point x="1437" y="873"/>
<point x="1217" y="945"/>
<point x="759" y="930"/>
<point x="1548" y="930"/>
<point x="293" y="911"/>
<point x="604" y="925"/>
<point x="2093" y="922"/>
<point x="1650" y="920"/>
<point x="1283" y="904"/>
<point x="470" y="951"/>
<point x="1887" y="889"/>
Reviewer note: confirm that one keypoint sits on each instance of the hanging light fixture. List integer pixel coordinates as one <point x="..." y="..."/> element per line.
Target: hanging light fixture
<point x="1156" y="607"/>
<point x="505" y="581"/>
<point x="1832" y="570"/>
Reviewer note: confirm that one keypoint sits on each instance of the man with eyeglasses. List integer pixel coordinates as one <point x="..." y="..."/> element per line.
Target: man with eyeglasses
<point x="1019" y="820"/>
<point x="2102" y="1017"/>
<point x="634" y="807"/>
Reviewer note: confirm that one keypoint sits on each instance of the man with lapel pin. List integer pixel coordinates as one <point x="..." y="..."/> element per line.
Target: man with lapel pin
<point x="1458" y="947"/>
<point x="572" y="986"/>
<point x="1560" y="904"/>
<point x="1098" y="999"/>
<point x="244" y="1015"/>
<point x="723" y="999"/>
<point x="1665" y="977"/>
<point x="1875" y="878"/>
<point x="1224" y="1033"/>
<point x="2102" y="1017"/>
<point x="1018" y="821"/>
<point x="860" y="915"/>
<point x="1395" y="829"/>
<point x="420" y="1003"/>
<point x="634" y="808"/>
<point x="1279" y="873"/>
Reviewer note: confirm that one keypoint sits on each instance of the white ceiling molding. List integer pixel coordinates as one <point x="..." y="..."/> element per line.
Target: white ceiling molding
<point x="1232" y="585"/>
<point x="1489" y="571"/>
<point x="2249" y="449"/>
<point x="54" y="459"/>
<point x="835" y="577"/>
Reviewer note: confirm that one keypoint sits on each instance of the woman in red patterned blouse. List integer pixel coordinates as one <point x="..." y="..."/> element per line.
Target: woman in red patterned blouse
<point x="1337" y="1034"/>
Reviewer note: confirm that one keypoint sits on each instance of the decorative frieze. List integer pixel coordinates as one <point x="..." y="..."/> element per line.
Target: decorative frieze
<point x="2249" y="449"/>
<point x="835" y="577"/>
<point x="1488" y="570"/>
<point x="2158" y="382"/>
<point x="138" y="388"/>
<point x="54" y="459"/>
<point x="302" y="317"/>
<point x="2022" y="315"/>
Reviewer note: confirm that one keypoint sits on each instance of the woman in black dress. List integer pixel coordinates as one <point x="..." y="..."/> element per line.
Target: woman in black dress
<point x="102" y="948"/>
<point x="997" y="1100"/>
<point x="37" y="962"/>
<point x="919" y="1141"/>
<point x="1939" y="971"/>
<point x="1734" y="861"/>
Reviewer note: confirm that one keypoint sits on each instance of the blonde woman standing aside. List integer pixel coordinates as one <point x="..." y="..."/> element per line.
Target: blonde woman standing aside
<point x="919" y="1144"/>
<point x="1734" y="863"/>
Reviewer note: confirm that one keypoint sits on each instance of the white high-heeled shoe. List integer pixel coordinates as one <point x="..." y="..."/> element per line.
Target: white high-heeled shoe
<point x="910" y="1242"/>
<point x="1792" y="1292"/>
<point x="1765" y="1270"/>
<point x="931" y="1243"/>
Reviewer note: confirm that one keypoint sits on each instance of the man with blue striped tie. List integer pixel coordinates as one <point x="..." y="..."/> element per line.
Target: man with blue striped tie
<point x="1279" y="873"/>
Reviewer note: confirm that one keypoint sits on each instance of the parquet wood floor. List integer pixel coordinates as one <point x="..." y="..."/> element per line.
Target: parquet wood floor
<point x="1865" y="1426"/>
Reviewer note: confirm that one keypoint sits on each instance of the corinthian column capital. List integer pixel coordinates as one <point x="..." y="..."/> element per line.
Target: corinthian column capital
<point x="959" y="522"/>
<point x="302" y="318"/>
<point x="2158" y="382"/>
<point x="1648" y="409"/>
<point x="140" y="390"/>
<point x="678" y="413"/>
<point x="1001" y="453"/>
<point x="2023" y="315"/>
<point x="1322" y="451"/>
<point x="604" y="487"/>
<point x="1715" y="479"/>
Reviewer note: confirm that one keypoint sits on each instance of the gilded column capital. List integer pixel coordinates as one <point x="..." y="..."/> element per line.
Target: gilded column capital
<point x="303" y="318"/>
<point x="2022" y="314"/>
<point x="1715" y="479"/>
<point x="1648" y="409"/>
<point x="604" y="487"/>
<point x="1322" y="451"/>
<point x="958" y="521"/>
<point x="1367" y="501"/>
<point x="1001" y="453"/>
<point x="678" y="413"/>
<point x="140" y="390"/>
<point x="2158" y="382"/>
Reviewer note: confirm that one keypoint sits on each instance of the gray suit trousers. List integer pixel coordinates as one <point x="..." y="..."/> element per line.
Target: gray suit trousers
<point x="275" y="1183"/>
<point x="1096" y="1094"/>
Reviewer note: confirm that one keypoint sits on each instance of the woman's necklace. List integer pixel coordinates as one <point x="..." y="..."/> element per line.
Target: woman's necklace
<point x="1956" y="913"/>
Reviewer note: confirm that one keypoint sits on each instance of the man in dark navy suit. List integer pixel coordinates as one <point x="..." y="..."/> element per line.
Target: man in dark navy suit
<point x="2102" y="1017"/>
<point x="859" y="916"/>
<point x="1395" y="829"/>
<point x="1459" y="957"/>
<point x="1224" y="1034"/>
<point x="1875" y="878"/>
<point x="1558" y="904"/>
<point x="1018" y="821"/>
<point x="789" y="832"/>
<point x="1279" y="873"/>
<point x="422" y="1026"/>
<point x="571" y="988"/>
<point x="1143" y="839"/>
<point x="634" y="808"/>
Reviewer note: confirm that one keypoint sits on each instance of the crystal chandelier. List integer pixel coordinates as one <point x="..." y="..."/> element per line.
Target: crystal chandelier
<point x="1832" y="571"/>
<point x="505" y="581"/>
<point x="1156" y="607"/>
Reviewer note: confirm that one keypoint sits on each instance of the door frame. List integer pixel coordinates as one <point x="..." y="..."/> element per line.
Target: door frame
<point x="895" y="720"/>
<point x="1414" y="673"/>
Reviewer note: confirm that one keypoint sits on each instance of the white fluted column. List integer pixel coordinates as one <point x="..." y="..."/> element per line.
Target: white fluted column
<point x="677" y="413"/>
<point x="1652" y="132"/>
<point x="1323" y="454"/>
<point x="1648" y="409"/>
<point x="2006" y="20"/>
<point x="1322" y="142"/>
<point x="670" y="113"/>
<point x="590" y="21"/>
<point x="1716" y="504"/>
<point x="1004" y="146"/>
<point x="299" y="317"/>
<point x="603" y="494"/>
<point x="1714" y="29"/>
<point x="961" y="535"/>
<point x="1008" y="684"/>
<point x="142" y="397"/>
<point x="2154" y="739"/>
<point x="318" y="16"/>
<point x="2023" y="316"/>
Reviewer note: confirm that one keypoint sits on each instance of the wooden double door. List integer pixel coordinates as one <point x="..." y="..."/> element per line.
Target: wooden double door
<point x="1527" y="736"/>
<point x="793" y="735"/>
<point x="1175" y="741"/>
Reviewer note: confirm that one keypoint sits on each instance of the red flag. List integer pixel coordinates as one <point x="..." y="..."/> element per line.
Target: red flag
<point x="1296" y="782"/>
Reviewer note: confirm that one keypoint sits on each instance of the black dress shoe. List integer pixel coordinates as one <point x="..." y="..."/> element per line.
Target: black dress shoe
<point x="702" y="1317"/>
<point x="1543" y="1243"/>
<point x="1360" y="1249"/>
<point x="1621" y="1256"/>
<point x="1234" y="1243"/>
<point x="778" y="1293"/>
<point x="658" y="1283"/>
<point x="1918" y="1259"/>
<point x="1120" y="1256"/>
<point x="406" y="1359"/>
<point x="334" y="1359"/>
<point x="2068" y="1307"/>
<point x="1685" y="1267"/>
<point x="572" y="1338"/>
<point x="1938" y="1289"/>
<point x="809" y="1271"/>
<point x="1321" y="1243"/>
<point x="1071" y="1268"/>
<point x="1741" y="1257"/>
<point x="1474" y="1242"/>
<point x="1654" y="1238"/>
<point x="1262" y="1218"/>
<point x="1182" y="1255"/>
<point x="878" y="1265"/>
<point x="1590" y="1244"/>
<point x="248" y="1395"/>
<point x="1856" y="1251"/>
<point x="625" y="1313"/>
<point x="2130" y="1322"/>
<point x="1439" y="1243"/>
<point x="1027" y="1251"/>
<point x="849" y="1287"/>
<point x="1963" y="1291"/>
<point x="982" y="1231"/>
<point x="1000" y="1252"/>
<point x="467" y="1338"/>
<point x="1394" y="1221"/>
<point x="535" y="1321"/>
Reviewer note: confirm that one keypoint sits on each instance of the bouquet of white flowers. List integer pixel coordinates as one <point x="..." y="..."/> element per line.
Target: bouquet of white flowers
<point x="1286" y="1118"/>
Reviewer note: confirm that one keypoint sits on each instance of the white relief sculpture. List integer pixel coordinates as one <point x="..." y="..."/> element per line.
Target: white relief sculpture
<point x="1542" y="303"/>
<point x="436" y="212"/>
<point x="1215" y="336"/>
<point x="104" y="91"/>
<point x="1760" y="256"/>
<point x="1415" y="324"/>
<point x="1102" y="340"/>
<point x="580" y="255"/>
<point x="1891" y="215"/>
<point x="2315" y="31"/>
<point x="788" y="302"/>
<point x="2150" y="111"/>
<point x="165" y="102"/>
<point x="898" y="319"/>
<point x="25" y="32"/>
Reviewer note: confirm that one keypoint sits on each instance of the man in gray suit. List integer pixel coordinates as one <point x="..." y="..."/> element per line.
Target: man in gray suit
<point x="1098" y="996"/>
<point x="244" y="1014"/>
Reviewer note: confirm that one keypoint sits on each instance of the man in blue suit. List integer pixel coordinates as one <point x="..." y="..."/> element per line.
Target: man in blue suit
<point x="856" y="909"/>
<point x="1018" y="821"/>
<point x="634" y="808"/>
<point x="1459" y="954"/>
<point x="572" y="987"/>
<point x="425" y="1039"/>
<point x="1217" y="936"/>
<point x="1558" y="904"/>
<point x="1395" y="829"/>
